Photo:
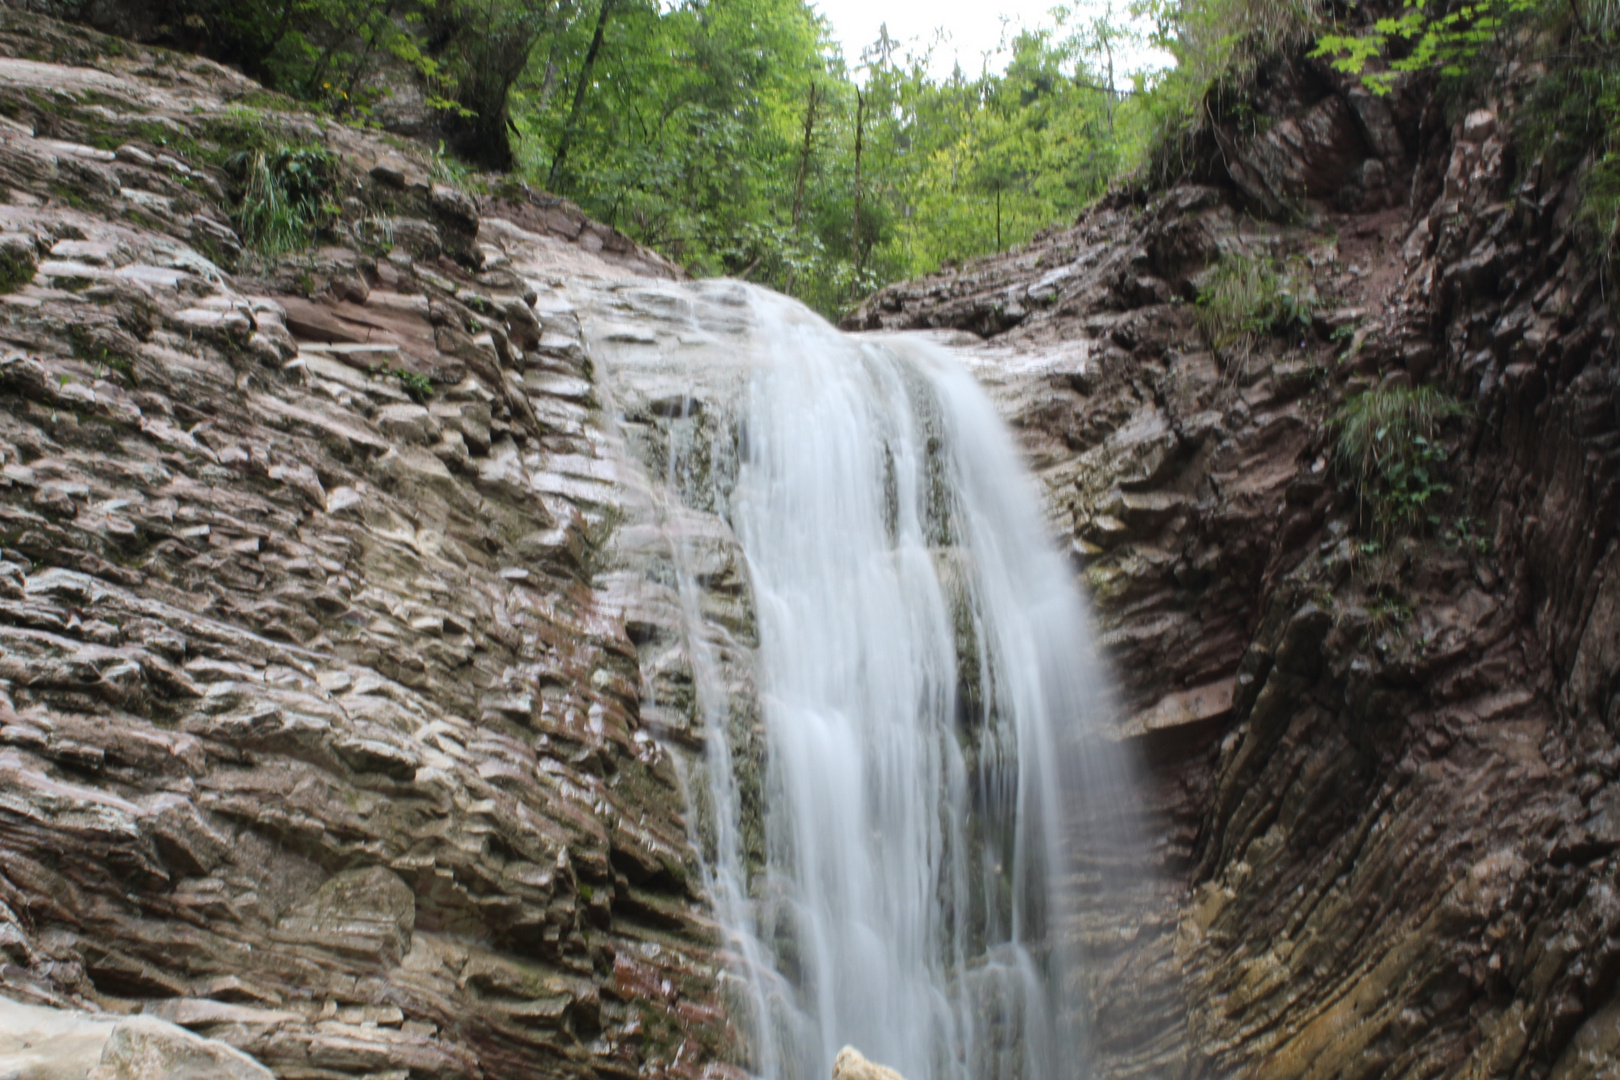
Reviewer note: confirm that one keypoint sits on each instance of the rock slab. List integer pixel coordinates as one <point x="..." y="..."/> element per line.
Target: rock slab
<point x="41" y="1043"/>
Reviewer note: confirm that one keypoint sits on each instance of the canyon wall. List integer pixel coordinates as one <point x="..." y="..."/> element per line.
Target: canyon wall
<point x="337" y="722"/>
<point x="1384" y="772"/>
<point x="317" y="736"/>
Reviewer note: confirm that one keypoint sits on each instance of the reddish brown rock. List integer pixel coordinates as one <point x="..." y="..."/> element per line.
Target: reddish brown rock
<point x="1391" y="854"/>
<point x="315" y="736"/>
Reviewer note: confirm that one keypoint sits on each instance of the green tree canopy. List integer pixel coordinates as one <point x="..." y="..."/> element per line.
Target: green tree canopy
<point x="731" y="135"/>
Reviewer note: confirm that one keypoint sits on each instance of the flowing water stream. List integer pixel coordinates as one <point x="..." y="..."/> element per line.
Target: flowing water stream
<point x="889" y="679"/>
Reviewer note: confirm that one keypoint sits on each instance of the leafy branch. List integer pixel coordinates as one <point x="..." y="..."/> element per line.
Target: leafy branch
<point x="1448" y="42"/>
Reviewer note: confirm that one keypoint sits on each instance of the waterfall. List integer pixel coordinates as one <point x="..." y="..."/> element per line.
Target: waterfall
<point x="891" y="804"/>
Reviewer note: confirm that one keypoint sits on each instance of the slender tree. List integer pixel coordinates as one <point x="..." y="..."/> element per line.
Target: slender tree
<point x="860" y="137"/>
<point x="812" y="100"/>
<point x="560" y="159"/>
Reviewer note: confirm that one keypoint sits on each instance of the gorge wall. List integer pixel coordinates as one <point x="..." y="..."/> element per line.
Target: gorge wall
<point x="316" y="735"/>
<point x="335" y="726"/>
<point x="1385" y="779"/>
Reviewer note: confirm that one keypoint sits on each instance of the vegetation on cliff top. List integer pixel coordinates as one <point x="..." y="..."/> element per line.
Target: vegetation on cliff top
<point x="1560" y="57"/>
<point x="729" y="134"/>
<point x="733" y="136"/>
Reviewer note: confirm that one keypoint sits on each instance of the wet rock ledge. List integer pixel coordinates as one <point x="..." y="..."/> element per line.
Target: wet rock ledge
<point x="315" y="736"/>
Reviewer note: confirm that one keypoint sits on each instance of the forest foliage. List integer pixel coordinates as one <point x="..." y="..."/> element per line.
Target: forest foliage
<point x="734" y="137"/>
<point x="731" y="135"/>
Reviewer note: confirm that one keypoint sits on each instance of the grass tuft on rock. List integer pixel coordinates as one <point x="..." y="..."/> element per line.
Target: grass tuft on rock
<point x="1245" y="297"/>
<point x="1388" y="445"/>
<point x="414" y="383"/>
<point x="17" y="265"/>
<point x="282" y="196"/>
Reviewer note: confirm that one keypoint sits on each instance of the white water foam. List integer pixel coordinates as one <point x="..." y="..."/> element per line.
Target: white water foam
<point x="930" y="700"/>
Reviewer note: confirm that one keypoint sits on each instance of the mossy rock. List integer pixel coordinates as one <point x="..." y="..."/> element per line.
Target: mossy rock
<point x="18" y="262"/>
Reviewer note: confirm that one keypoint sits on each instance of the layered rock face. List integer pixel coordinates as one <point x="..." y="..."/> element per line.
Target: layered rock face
<point x="316" y="735"/>
<point x="341" y="722"/>
<point x="1385" y="778"/>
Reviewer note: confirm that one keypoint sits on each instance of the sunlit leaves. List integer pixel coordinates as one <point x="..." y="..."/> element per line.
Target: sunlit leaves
<point x="1446" y="42"/>
<point x="693" y="141"/>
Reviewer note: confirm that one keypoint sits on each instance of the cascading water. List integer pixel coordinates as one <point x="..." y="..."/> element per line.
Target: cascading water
<point x="927" y="694"/>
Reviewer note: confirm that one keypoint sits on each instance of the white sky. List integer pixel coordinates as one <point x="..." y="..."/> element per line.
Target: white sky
<point x="973" y="27"/>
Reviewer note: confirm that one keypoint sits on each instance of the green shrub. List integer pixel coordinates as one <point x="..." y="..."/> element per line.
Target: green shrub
<point x="1388" y="445"/>
<point x="282" y="196"/>
<point x="417" y="385"/>
<point x="1218" y="45"/>
<point x="17" y="267"/>
<point x="1245" y="297"/>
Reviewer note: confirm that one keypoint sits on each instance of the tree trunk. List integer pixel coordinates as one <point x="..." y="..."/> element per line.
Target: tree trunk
<point x="560" y="159"/>
<point x="860" y="131"/>
<point x="804" y="153"/>
<point x="281" y="30"/>
<point x="312" y="84"/>
<point x="359" y="68"/>
<point x="1108" y="47"/>
<point x="548" y="85"/>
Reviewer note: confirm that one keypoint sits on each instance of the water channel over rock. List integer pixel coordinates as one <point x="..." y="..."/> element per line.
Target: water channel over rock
<point x="837" y="574"/>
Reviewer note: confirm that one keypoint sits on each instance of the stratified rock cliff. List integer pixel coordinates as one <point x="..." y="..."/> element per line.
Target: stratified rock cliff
<point x="315" y="736"/>
<point x="339" y="723"/>
<point x="1386" y="778"/>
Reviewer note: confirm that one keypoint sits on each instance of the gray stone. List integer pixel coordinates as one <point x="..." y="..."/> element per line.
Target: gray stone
<point x="455" y="206"/>
<point x="419" y="239"/>
<point x="1478" y="126"/>
<point x="40" y="1043"/>
<point x="409" y="423"/>
<point x="851" y="1064"/>
<point x="142" y="1048"/>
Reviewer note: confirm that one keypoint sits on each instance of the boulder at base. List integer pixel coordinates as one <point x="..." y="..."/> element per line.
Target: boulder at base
<point x="40" y="1043"/>
<point x="851" y="1064"/>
